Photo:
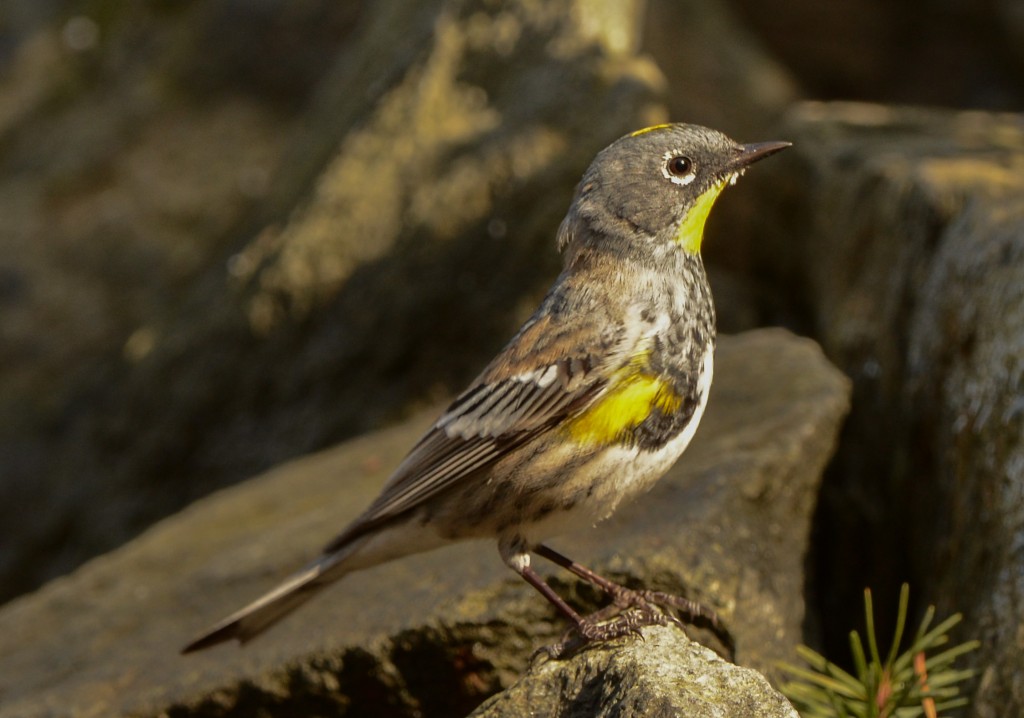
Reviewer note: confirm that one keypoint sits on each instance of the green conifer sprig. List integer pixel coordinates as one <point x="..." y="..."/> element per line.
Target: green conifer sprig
<point x="917" y="682"/>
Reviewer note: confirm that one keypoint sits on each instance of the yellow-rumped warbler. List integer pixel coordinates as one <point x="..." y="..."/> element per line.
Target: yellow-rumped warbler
<point x="590" y="403"/>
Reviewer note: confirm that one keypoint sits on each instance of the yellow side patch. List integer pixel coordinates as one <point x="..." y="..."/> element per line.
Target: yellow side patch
<point x="652" y="128"/>
<point x="691" y="230"/>
<point x="631" y="399"/>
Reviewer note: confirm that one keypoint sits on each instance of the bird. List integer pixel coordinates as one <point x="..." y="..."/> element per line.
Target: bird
<point x="588" y="405"/>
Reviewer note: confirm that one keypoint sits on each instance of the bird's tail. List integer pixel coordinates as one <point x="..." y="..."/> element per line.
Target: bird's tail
<point x="265" y="611"/>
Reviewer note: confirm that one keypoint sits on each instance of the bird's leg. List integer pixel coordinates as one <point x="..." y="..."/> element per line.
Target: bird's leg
<point x="534" y="579"/>
<point x="641" y="600"/>
<point x="593" y="627"/>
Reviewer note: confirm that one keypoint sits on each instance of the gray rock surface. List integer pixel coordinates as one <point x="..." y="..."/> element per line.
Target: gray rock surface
<point x="433" y="634"/>
<point x="662" y="675"/>
<point x="909" y="249"/>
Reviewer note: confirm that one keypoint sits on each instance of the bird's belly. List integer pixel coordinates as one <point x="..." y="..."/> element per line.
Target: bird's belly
<point x="618" y="477"/>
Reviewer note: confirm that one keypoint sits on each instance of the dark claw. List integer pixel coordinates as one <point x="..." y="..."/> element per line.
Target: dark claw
<point x="629" y="612"/>
<point x="694" y="613"/>
<point x="628" y="623"/>
<point x="614" y="620"/>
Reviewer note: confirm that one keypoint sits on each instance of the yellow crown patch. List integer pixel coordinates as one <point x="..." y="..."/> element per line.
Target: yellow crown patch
<point x="652" y="128"/>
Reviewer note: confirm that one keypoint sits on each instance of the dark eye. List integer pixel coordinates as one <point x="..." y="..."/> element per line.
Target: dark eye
<point x="680" y="166"/>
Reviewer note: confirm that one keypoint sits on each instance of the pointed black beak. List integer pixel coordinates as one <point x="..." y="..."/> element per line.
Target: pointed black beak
<point x="749" y="154"/>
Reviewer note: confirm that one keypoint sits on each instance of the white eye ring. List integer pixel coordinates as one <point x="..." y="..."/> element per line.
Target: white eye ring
<point x="678" y="168"/>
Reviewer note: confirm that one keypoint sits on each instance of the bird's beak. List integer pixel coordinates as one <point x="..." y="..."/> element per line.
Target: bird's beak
<point x="749" y="154"/>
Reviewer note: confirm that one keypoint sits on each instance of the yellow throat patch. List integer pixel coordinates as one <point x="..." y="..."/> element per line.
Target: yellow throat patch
<point x="691" y="230"/>
<point x="631" y="398"/>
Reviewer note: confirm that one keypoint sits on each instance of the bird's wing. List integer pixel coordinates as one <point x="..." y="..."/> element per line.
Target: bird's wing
<point x="518" y="397"/>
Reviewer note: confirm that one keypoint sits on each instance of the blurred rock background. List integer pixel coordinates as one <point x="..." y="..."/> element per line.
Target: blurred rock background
<point x="235" y="232"/>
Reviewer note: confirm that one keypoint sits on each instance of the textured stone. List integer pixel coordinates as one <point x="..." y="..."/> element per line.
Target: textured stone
<point x="908" y="251"/>
<point x="735" y="86"/>
<point x="664" y="675"/>
<point x="234" y="233"/>
<point x="432" y="634"/>
<point x="933" y="52"/>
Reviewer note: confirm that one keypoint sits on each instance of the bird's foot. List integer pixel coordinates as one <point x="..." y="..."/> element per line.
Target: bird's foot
<point x="600" y="627"/>
<point x="691" y="612"/>
<point x="611" y="622"/>
<point x="630" y="611"/>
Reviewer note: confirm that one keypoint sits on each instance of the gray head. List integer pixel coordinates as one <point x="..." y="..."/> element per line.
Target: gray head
<point x="655" y="186"/>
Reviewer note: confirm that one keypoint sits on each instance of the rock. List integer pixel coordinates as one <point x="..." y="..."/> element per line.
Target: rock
<point x="908" y="241"/>
<point x="952" y="54"/>
<point x="1009" y="18"/>
<point x="433" y="634"/>
<point x="123" y="190"/>
<point x="736" y="86"/>
<point x="202" y="207"/>
<point x="661" y="676"/>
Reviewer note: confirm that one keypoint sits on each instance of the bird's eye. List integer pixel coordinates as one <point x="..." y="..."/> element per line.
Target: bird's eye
<point x="680" y="166"/>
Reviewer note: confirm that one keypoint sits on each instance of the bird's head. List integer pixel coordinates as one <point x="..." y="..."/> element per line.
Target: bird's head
<point x="654" y="188"/>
